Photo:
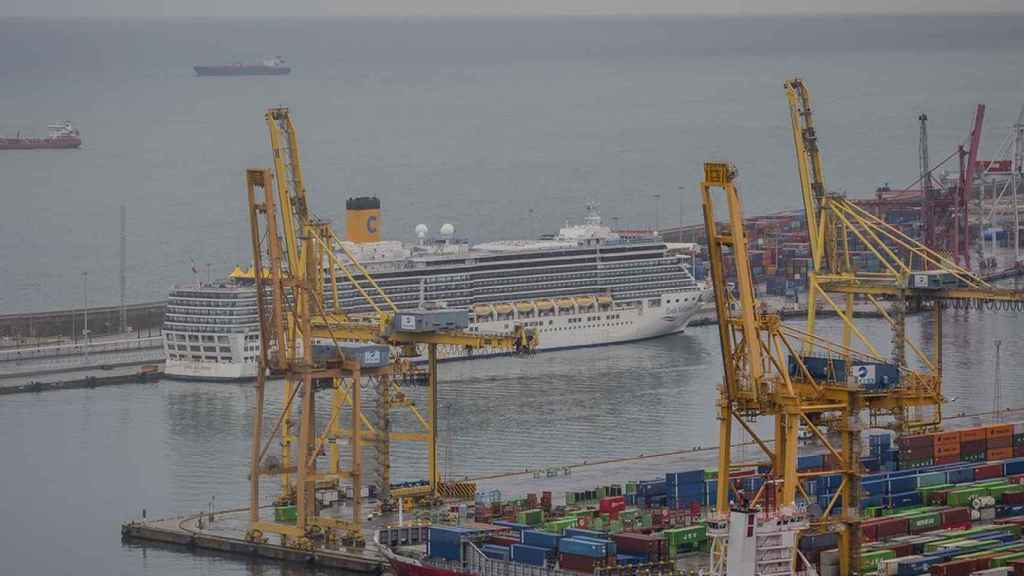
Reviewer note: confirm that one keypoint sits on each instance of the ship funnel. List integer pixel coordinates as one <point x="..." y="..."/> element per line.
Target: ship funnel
<point x="362" y="219"/>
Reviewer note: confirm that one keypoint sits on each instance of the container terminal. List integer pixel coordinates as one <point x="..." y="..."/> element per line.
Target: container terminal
<point x="883" y="485"/>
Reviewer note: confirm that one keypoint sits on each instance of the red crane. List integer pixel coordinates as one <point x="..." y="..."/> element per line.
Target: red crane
<point x="967" y="171"/>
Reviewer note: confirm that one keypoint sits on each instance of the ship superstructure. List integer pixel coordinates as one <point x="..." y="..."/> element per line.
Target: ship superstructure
<point x="211" y="331"/>
<point x="584" y="286"/>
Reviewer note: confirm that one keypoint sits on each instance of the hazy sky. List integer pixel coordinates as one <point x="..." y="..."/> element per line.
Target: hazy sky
<point x="320" y="8"/>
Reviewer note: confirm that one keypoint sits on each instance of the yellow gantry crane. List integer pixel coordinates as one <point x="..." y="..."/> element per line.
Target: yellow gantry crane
<point x="765" y="376"/>
<point x="796" y="376"/>
<point x="313" y="347"/>
<point x="909" y="275"/>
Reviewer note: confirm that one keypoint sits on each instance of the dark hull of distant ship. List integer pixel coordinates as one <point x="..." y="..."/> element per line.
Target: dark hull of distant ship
<point x="39" y="143"/>
<point x="243" y="70"/>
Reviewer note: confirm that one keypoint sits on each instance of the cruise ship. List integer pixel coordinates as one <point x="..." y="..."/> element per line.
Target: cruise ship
<point x="212" y="330"/>
<point x="584" y="286"/>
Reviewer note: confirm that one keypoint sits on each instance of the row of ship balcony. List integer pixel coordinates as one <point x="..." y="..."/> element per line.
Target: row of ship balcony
<point x="246" y="302"/>
<point x="204" y="311"/>
<point x="411" y="301"/>
<point x="645" y="265"/>
<point x="670" y="279"/>
<point x="211" y="329"/>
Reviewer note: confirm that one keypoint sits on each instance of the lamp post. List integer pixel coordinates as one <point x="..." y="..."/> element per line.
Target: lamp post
<point x="996" y="387"/>
<point x="85" y="313"/>
<point x="682" y="198"/>
<point x="657" y="209"/>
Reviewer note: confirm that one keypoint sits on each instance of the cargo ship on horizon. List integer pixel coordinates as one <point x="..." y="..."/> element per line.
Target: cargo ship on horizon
<point x="271" y="67"/>
<point x="62" y="135"/>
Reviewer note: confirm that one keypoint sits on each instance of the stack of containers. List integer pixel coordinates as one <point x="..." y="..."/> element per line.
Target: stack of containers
<point x="651" y="493"/>
<point x="580" y="552"/>
<point x="648" y="547"/>
<point x="446" y="542"/>
<point x="682" y="489"/>
<point x="973" y="445"/>
<point x="947" y="447"/>
<point x="916" y="451"/>
<point x="999" y="440"/>
<point x="532" y="555"/>
<point x="612" y="506"/>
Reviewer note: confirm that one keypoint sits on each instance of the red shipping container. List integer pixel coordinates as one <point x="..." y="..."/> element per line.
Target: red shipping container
<point x="955" y="516"/>
<point x="649" y="545"/>
<point x="916" y="453"/>
<point x="970" y="434"/>
<point x="973" y="446"/>
<point x="947" y="438"/>
<point x="503" y="540"/>
<point x="890" y="527"/>
<point x="1015" y="479"/>
<point x="987" y="471"/>
<point x="1018" y="567"/>
<point x="954" y="568"/>
<point x="918" y="441"/>
<point x="1018" y="451"/>
<point x="951" y="459"/>
<point x="612" y="504"/>
<point x="999" y="453"/>
<point x="947" y="450"/>
<point x="902" y="549"/>
<point x="870" y="531"/>
<point x="999" y="442"/>
<point x="999" y="431"/>
<point x="584" y="564"/>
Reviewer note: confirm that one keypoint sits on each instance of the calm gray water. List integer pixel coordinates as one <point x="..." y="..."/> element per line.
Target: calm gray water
<point x="471" y="122"/>
<point x="78" y="463"/>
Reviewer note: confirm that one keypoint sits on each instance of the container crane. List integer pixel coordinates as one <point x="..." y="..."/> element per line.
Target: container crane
<point x="310" y="343"/>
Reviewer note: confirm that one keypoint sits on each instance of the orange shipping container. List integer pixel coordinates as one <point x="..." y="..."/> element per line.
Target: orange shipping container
<point x="945" y="438"/>
<point x="999" y="430"/>
<point x="948" y="450"/>
<point x="1000" y="453"/>
<point x="969" y="434"/>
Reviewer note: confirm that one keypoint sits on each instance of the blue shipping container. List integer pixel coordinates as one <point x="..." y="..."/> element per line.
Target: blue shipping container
<point x="541" y="539"/>
<point x="960" y="475"/>
<point x="593" y="534"/>
<point x="582" y="547"/>
<point x="900" y="485"/>
<point x="496" y="551"/>
<point x="690" y="477"/>
<point x="512" y="525"/>
<point x="806" y="462"/>
<point x="533" y="555"/>
<point x="1015" y="466"/>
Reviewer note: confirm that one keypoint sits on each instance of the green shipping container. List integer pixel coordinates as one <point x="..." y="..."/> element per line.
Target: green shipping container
<point x="869" y="560"/>
<point x="285" y="514"/>
<point x="1005" y="559"/>
<point x="925" y="522"/>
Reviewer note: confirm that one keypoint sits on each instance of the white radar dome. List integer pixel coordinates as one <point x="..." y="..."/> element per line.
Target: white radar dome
<point x="422" y="231"/>
<point x="447" y="230"/>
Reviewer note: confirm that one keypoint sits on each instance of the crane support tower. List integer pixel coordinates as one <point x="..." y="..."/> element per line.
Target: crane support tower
<point x="314" y="350"/>
<point x="797" y="377"/>
<point x="908" y="274"/>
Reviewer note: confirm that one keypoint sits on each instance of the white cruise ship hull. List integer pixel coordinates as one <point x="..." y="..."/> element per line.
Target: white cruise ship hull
<point x="598" y="328"/>
<point x="212" y="371"/>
